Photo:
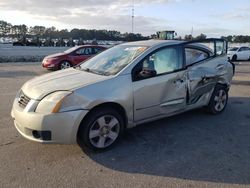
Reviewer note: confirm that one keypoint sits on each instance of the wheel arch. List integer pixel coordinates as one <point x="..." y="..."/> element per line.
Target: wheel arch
<point x="234" y="57"/>
<point x="210" y="107"/>
<point x="224" y="84"/>
<point x="59" y="64"/>
<point x="113" y="105"/>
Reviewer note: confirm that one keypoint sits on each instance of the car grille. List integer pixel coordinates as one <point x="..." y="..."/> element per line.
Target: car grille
<point x="23" y="100"/>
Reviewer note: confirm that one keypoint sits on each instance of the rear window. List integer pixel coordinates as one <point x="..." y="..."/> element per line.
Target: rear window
<point x="212" y="47"/>
<point x="195" y="55"/>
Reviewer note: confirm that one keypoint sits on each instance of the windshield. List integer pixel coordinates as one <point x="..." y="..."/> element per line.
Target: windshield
<point x="233" y="49"/>
<point x="113" y="60"/>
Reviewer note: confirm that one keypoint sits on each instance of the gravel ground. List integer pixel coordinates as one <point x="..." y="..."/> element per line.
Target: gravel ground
<point x="193" y="149"/>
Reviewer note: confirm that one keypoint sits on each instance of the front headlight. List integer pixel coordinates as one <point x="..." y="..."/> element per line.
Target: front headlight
<point x="53" y="102"/>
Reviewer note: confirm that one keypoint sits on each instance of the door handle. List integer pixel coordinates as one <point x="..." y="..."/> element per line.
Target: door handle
<point x="178" y="81"/>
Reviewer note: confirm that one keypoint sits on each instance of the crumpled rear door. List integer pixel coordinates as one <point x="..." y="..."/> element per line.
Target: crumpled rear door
<point x="203" y="77"/>
<point x="201" y="80"/>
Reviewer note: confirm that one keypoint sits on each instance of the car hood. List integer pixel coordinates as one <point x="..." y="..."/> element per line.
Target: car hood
<point x="55" y="55"/>
<point x="67" y="79"/>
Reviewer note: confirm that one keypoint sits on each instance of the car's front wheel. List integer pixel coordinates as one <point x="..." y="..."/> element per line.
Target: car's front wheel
<point x="101" y="130"/>
<point x="234" y="58"/>
<point x="218" y="100"/>
<point x="64" y="65"/>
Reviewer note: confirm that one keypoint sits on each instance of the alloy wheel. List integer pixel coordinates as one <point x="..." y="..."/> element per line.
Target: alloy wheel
<point x="104" y="131"/>
<point x="65" y="65"/>
<point x="220" y="100"/>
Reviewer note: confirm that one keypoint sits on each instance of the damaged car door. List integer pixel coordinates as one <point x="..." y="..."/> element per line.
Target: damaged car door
<point x="204" y="69"/>
<point x="159" y="84"/>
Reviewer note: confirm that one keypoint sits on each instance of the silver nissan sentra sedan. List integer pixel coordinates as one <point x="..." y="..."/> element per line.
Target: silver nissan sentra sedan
<point x="126" y="85"/>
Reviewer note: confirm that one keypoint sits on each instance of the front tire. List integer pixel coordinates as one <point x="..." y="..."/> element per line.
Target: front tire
<point x="234" y="58"/>
<point x="101" y="130"/>
<point x="64" y="65"/>
<point x="218" y="100"/>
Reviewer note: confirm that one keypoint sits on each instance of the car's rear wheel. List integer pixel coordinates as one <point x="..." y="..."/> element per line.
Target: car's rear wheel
<point x="101" y="130"/>
<point x="64" y="65"/>
<point x="218" y="100"/>
<point x="234" y="58"/>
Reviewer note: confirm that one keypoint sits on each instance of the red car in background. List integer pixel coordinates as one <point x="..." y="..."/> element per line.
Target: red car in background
<point x="71" y="57"/>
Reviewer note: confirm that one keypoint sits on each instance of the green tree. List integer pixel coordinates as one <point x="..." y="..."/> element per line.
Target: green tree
<point x="5" y="28"/>
<point x="38" y="30"/>
<point x="188" y="37"/>
<point x="201" y="37"/>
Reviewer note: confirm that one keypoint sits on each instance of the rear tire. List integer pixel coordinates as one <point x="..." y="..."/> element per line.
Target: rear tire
<point x="101" y="130"/>
<point x="218" y="100"/>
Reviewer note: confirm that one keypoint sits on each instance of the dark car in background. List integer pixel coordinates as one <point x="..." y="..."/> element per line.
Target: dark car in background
<point x="71" y="57"/>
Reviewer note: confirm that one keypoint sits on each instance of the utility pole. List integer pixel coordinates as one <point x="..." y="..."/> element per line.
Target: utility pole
<point x="192" y="31"/>
<point x="133" y="12"/>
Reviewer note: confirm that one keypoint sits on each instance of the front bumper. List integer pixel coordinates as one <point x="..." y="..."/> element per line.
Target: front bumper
<point x="48" y="64"/>
<point x="230" y="56"/>
<point x="48" y="128"/>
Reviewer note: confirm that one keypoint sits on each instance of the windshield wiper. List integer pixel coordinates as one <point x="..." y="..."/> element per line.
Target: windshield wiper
<point x="95" y="71"/>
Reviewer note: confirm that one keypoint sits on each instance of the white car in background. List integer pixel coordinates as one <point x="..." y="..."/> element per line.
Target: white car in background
<point x="239" y="53"/>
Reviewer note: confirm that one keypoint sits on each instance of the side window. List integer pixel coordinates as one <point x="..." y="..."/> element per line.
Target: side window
<point x="194" y="55"/>
<point x="84" y="51"/>
<point x="96" y="50"/>
<point x="244" y="49"/>
<point x="81" y="51"/>
<point x="220" y="47"/>
<point x="162" y="61"/>
<point x="241" y="49"/>
<point x="88" y="51"/>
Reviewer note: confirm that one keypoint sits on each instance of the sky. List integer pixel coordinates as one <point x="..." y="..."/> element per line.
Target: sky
<point x="214" y="18"/>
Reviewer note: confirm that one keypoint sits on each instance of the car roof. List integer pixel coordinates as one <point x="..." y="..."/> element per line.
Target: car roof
<point x="89" y="45"/>
<point x="154" y="42"/>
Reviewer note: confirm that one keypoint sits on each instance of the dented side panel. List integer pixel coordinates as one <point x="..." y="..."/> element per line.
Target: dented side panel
<point x="159" y="95"/>
<point x="203" y="77"/>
